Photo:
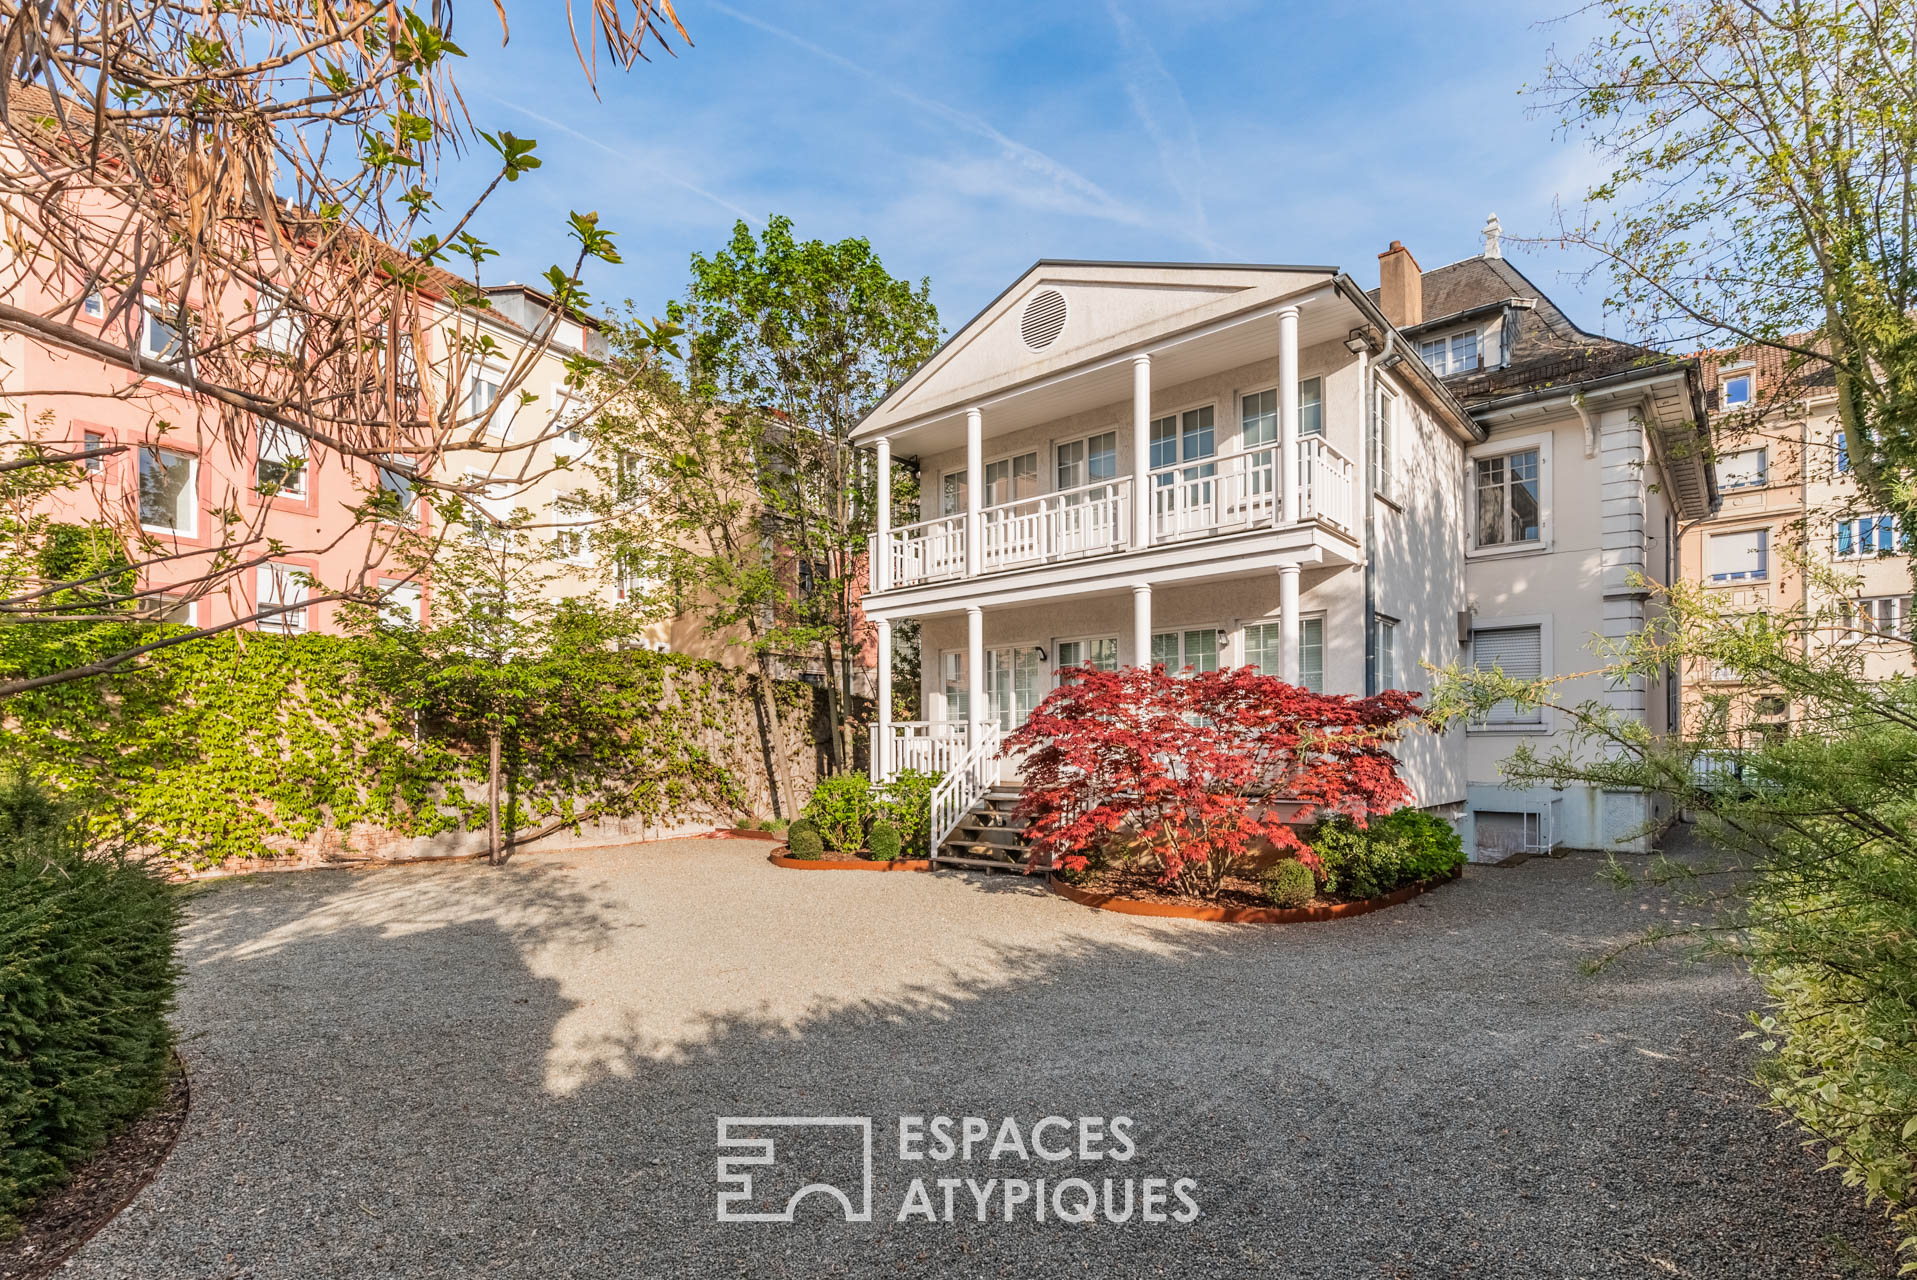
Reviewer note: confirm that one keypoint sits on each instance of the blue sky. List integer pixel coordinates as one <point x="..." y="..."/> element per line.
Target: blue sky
<point x="967" y="140"/>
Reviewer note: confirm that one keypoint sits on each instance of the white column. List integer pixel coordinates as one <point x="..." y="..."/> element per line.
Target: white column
<point x="975" y="671"/>
<point x="882" y="720"/>
<point x="1288" y="416"/>
<point x="882" y="573"/>
<point x="1141" y="625"/>
<point x="1288" y="622"/>
<point x="1141" y="453"/>
<point x="974" y="490"/>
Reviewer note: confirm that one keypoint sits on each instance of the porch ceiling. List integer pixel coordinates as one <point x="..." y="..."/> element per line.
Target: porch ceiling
<point x="1106" y="379"/>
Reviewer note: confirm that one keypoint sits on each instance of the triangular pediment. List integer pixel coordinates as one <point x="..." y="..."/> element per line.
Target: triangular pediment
<point x="1062" y="314"/>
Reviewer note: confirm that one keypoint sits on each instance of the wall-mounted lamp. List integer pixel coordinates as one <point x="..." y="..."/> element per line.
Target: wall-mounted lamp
<point x="1388" y="359"/>
<point x="1042" y="655"/>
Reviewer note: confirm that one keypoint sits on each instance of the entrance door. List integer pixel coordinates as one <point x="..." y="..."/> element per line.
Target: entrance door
<point x="1012" y="682"/>
<point x="1185" y="496"/>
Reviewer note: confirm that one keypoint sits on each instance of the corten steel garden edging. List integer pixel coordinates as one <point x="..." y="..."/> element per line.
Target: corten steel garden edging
<point x="778" y="858"/>
<point x="1243" y="915"/>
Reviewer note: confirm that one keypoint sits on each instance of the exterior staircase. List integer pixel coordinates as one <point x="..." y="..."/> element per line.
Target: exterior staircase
<point x="987" y="836"/>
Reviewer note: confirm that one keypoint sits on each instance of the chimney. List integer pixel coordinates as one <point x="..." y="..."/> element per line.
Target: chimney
<point x="1400" y="286"/>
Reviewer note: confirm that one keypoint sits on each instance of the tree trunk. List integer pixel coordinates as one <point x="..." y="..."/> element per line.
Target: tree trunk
<point x="779" y="776"/>
<point x="834" y="709"/>
<point x="492" y="797"/>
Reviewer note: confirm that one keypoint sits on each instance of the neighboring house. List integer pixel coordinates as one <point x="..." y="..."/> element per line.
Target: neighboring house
<point x="1211" y="466"/>
<point x="1793" y="535"/>
<point x="1595" y="454"/>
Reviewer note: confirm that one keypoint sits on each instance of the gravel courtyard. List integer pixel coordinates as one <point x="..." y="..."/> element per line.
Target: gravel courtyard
<point x="456" y="1071"/>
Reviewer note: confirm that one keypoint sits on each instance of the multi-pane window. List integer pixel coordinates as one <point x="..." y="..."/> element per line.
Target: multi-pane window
<point x="1877" y="615"/>
<point x="167" y="606"/>
<point x="1186" y="437"/>
<point x="1861" y="536"/>
<point x="282" y="462"/>
<point x="1384" y="421"/>
<point x="90" y="441"/>
<point x="572" y="544"/>
<point x="1386" y="652"/>
<point x="1012" y="678"/>
<point x="1177" y="650"/>
<point x="1259" y="413"/>
<point x="1263" y="650"/>
<point x="160" y="334"/>
<point x="1509" y="511"/>
<point x="1011" y="479"/>
<point x="1744" y="469"/>
<point x="166" y="490"/>
<point x="1083" y="462"/>
<point x="282" y="587"/>
<point x="952" y="492"/>
<point x="94" y="306"/>
<point x="1843" y="452"/>
<point x="402" y="603"/>
<point x="482" y="401"/>
<point x="1738" y="557"/>
<point x="1100" y="653"/>
<point x="396" y="489"/>
<point x="1453" y="353"/>
<point x="276" y="326"/>
<point x="955" y="685"/>
<point x="1519" y="653"/>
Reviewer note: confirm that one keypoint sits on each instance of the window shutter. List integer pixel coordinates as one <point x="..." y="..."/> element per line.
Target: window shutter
<point x="1519" y="653"/>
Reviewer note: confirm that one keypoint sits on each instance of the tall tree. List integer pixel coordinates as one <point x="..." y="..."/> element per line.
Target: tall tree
<point x="241" y="199"/>
<point x="678" y="503"/>
<point x="1759" y="192"/>
<point x="806" y="337"/>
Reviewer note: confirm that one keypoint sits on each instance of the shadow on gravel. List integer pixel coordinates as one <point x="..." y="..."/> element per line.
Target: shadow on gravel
<point x="1426" y="1092"/>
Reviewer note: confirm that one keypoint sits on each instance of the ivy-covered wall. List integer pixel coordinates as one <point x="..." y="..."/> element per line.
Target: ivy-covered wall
<point x="243" y="745"/>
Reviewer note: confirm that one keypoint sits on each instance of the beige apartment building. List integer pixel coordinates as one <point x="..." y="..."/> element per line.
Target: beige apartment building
<point x="1792" y="534"/>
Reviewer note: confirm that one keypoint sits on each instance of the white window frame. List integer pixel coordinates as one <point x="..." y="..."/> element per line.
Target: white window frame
<point x="393" y="592"/>
<point x="495" y="376"/>
<point x="400" y="465"/>
<point x="1448" y="342"/>
<point x="1036" y="454"/>
<point x="1540" y="441"/>
<point x="274" y="328"/>
<point x="149" y="307"/>
<point x="93" y="440"/>
<point x="192" y="528"/>
<point x="192" y="618"/>
<point x="1059" y="643"/>
<point x="570" y="444"/>
<point x="1745" y="373"/>
<point x="1243" y="640"/>
<point x="1857" y="549"/>
<point x="1763" y="469"/>
<point x="93" y="306"/>
<point x="1059" y="446"/>
<point x="947" y="687"/>
<point x="1547" y="668"/>
<point x="262" y="430"/>
<point x="1248" y="446"/>
<point x="1864" y="618"/>
<point x="1382" y="439"/>
<point x="1225" y="640"/>
<point x="1385" y="647"/>
<point x="1761" y="574"/>
<point x="274" y="584"/>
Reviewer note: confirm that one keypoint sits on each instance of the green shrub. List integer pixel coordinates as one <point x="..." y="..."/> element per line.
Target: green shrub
<point x="87" y="977"/>
<point x="1403" y="847"/>
<point x="1289" y="884"/>
<point x="882" y="841"/>
<point x="773" y="824"/>
<point x="906" y="802"/>
<point x="802" y="840"/>
<point x="842" y="807"/>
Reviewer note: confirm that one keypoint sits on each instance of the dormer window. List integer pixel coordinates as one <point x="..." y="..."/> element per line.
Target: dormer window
<point x="1452" y="353"/>
<point x="1738" y="388"/>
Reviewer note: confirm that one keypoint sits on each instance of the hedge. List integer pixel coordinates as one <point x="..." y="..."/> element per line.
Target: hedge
<point x="87" y="976"/>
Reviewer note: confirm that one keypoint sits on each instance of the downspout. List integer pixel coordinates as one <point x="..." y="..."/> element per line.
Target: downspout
<point x="1369" y="385"/>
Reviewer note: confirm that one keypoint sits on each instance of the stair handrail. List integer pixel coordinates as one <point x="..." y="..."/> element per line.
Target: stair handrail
<point x="960" y="789"/>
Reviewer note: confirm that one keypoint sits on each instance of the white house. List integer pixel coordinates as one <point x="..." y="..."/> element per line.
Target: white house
<point x="1215" y="465"/>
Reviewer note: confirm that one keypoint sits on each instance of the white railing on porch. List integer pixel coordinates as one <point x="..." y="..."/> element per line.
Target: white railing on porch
<point x="930" y="746"/>
<point x="1220" y="494"/>
<point x="973" y="775"/>
<point x="1089" y="520"/>
<point x="1325" y="483"/>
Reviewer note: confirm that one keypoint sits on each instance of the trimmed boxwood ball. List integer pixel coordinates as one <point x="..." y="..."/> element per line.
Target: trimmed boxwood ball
<point x="882" y="841"/>
<point x="802" y="840"/>
<point x="1290" y="884"/>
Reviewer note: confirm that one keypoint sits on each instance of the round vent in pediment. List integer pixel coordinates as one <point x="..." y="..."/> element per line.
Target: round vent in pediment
<point x="1044" y="318"/>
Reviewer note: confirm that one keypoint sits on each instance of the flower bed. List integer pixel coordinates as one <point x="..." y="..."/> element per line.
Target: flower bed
<point x="779" y="857"/>
<point x="1232" y="907"/>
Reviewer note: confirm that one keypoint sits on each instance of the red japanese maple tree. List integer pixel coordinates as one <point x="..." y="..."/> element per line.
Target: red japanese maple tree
<point x="1188" y="769"/>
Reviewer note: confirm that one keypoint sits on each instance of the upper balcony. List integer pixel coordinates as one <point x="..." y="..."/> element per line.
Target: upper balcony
<point x="1183" y="504"/>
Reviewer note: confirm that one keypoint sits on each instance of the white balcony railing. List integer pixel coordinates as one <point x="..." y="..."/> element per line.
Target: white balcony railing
<point x="1191" y="499"/>
<point x="1089" y="520"/>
